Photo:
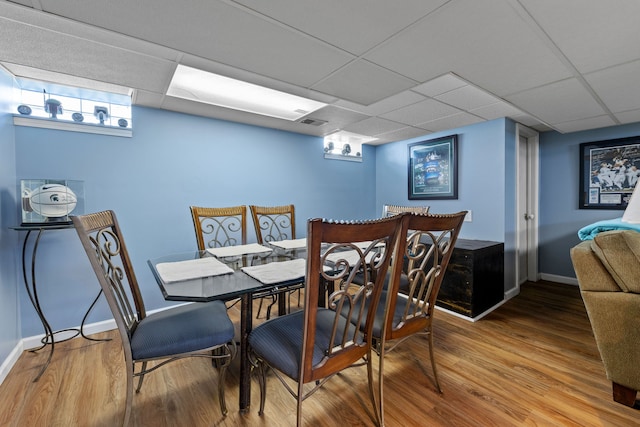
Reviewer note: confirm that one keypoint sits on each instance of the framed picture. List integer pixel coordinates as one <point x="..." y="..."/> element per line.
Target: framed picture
<point x="609" y="171"/>
<point x="433" y="169"/>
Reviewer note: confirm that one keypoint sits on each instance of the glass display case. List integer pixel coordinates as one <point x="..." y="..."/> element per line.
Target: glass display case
<point x="50" y="201"/>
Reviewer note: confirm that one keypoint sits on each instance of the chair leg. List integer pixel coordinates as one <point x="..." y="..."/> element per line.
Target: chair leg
<point x="299" y="398"/>
<point x="262" y="381"/>
<point x="624" y="395"/>
<point x="259" y="308"/>
<point x="270" y="306"/>
<point x="221" y="386"/>
<point x="378" y="408"/>
<point x="141" y="376"/>
<point x="433" y="362"/>
<point x="129" y="398"/>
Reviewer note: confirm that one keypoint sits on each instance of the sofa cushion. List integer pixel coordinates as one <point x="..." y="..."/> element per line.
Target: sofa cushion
<point x="619" y="252"/>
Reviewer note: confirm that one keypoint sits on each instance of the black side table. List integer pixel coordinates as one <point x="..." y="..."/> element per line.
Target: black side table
<point x="36" y="231"/>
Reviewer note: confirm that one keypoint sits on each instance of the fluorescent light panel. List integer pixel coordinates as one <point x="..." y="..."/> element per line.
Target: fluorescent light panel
<point x="203" y="86"/>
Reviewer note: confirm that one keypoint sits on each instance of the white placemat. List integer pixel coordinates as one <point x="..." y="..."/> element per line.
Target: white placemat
<point x="290" y="244"/>
<point x="238" y="250"/>
<point x="351" y="256"/>
<point x="191" y="269"/>
<point x="275" y="272"/>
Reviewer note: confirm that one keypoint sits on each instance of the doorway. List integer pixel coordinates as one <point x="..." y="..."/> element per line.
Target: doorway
<point x="527" y="205"/>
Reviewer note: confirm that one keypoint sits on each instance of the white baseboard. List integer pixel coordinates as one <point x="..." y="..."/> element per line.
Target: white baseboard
<point x="36" y="341"/>
<point x="11" y="360"/>
<point x="559" y="279"/>
<point x="90" y="329"/>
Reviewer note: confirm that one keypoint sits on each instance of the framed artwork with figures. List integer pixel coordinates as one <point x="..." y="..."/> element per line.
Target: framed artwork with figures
<point x="433" y="169"/>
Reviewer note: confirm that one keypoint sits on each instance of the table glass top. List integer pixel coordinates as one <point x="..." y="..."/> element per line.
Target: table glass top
<point x="225" y="285"/>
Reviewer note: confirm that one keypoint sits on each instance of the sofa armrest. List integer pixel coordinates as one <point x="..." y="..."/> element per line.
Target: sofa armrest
<point x="591" y="273"/>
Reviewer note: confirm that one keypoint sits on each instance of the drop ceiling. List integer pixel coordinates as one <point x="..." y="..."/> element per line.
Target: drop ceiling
<point x="387" y="69"/>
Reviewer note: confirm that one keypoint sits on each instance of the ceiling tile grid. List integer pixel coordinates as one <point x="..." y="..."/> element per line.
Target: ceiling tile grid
<point x="386" y="69"/>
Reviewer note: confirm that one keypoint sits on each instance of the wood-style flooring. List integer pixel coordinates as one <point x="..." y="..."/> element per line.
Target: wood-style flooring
<point x="532" y="362"/>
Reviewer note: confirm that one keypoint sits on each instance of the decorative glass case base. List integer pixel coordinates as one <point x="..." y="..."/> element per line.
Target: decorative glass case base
<point x="50" y="201"/>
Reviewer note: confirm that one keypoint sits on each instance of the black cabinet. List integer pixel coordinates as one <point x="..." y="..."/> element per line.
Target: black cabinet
<point x="474" y="281"/>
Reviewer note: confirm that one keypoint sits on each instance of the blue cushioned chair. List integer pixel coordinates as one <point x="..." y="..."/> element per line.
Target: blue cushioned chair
<point x="312" y="345"/>
<point x="198" y="329"/>
<point x="407" y="306"/>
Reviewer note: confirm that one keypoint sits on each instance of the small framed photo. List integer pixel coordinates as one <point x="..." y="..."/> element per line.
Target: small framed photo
<point x="433" y="169"/>
<point x="609" y="171"/>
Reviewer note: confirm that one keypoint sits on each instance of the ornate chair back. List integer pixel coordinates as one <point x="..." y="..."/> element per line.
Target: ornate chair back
<point x="218" y="227"/>
<point x="388" y="210"/>
<point x="312" y="345"/>
<point x="274" y="223"/>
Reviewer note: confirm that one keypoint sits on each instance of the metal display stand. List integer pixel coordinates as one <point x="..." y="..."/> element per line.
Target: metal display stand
<point x="36" y="231"/>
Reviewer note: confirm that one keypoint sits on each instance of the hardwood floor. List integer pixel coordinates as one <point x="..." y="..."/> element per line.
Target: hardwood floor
<point x="532" y="362"/>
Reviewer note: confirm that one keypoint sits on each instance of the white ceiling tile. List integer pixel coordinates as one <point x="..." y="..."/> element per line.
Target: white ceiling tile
<point x="618" y="87"/>
<point x="337" y="21"/>
<point x="451" y="122"/>
<point x="467" y="98"/>
<point x="440" y="85"/>
<point x="591" y="34"/>
<point x="628" y="116"/>
<point x="528" y="120"/>
<point x="421" y="112"/>
<point x="60" y="53"/>
<point x="337" y="117"/>
<point x="584" y="124"/>
<point x="558" y="102"/>
<point x="400" y="135"/>
<point x="374" y="126"/>
<point x="484" y="42"/>
<point x="214" y="29"/>
<point x="364" y="83"/>
<point x="496" y="111"/>
<point x="391" y="103"/>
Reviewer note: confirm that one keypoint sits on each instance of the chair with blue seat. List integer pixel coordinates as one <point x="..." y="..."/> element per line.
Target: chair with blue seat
<point x="407" y="307"/>
<point x="312" y="345"/>
<point x="192" y="330"/>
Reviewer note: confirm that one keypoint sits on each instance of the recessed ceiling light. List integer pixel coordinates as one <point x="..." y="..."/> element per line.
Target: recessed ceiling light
<point x="203" y="86"/>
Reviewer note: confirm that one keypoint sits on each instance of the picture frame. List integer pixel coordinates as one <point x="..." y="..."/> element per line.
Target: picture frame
<point x="609" y="171"/>
<point x="433" y="169"/>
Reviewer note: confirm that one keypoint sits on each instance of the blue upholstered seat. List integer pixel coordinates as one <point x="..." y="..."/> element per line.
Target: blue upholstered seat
<point x="182" y="329"/>
<point x="279" y="341"/>
<point x="191" y="330"/>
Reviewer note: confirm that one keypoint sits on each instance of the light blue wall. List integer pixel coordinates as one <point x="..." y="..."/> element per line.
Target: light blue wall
<point x="174" y="161"/>
<point x="481" y="186"/>
<point x="9" y="316"/>
<point x="485" y="183"/>
<point x="560" y="218"/>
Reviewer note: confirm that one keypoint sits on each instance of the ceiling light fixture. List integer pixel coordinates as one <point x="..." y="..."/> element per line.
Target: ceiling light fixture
<point x="203" y="86"/>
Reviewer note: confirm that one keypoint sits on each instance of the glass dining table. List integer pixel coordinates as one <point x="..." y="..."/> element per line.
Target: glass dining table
<point x="244" y="272"/>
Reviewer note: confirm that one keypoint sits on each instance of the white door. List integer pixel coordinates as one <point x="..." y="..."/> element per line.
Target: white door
<point x="527" y="211"/>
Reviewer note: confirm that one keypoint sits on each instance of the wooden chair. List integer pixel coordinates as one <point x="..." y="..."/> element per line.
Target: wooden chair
<point x="312" y="345"/>
<point x="388" y="210"/>
<point x="219" y="227"/>
<point x="408" y="306"/>
<point x="197" y="329"/>
<point x="272" y="224"/>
